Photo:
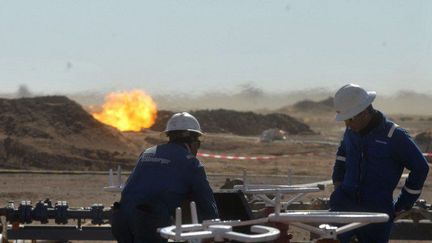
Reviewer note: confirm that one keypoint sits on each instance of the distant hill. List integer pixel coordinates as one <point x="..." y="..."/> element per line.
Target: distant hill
<point x="405" y="102"/>
<point x="238" y="122"/>
<point x="424" y="141"/>
<point x="309" y="106"/>
<point x="256" y="99"/>
<point x="57" y="133"/>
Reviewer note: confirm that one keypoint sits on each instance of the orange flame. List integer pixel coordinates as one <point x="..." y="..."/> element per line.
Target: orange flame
<point x="128" y="111"/>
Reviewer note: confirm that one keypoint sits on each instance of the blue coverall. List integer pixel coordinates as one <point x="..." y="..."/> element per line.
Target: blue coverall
<point x="369" y="167"/>
<point x="164" y="177"/>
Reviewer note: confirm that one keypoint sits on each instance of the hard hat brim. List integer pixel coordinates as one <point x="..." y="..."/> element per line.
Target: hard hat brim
<point x="358" y="109"/>
<point x="190" y="130"/>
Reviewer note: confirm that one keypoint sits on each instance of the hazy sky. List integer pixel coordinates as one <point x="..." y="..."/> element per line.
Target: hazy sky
<point x="203" y="45"/>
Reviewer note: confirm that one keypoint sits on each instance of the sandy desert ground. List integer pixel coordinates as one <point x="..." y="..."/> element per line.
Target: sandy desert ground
<point x="299" y="159"/>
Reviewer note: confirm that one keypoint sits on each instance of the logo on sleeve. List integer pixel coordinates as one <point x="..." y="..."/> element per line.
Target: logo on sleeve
<point x="380" y="141"/>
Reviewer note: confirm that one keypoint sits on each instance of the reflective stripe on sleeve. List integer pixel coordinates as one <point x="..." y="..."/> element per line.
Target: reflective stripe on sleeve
<point x="340" y="158"/>
<point x="392" y="129"/>
<point x="411" y="191"/>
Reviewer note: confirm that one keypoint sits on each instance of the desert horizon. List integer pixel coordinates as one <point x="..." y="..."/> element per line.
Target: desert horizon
<point x="250" y="98"/>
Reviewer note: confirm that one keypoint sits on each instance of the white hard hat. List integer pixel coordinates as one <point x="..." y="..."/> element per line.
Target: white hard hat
<point x="183" y="121"/>
<point x="350" y="100"/>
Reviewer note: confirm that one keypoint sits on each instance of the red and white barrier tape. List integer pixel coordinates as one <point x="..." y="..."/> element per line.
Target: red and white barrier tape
<point x="234" y="157"/>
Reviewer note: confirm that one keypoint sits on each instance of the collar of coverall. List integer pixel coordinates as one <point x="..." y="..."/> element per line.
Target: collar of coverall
<point x="375" y="121"/>
<point x="181" y="144"/>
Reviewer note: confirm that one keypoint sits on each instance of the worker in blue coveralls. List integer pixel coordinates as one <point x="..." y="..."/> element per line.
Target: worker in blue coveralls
<point x="369" y="163"/>
<point x="164" y="177"/>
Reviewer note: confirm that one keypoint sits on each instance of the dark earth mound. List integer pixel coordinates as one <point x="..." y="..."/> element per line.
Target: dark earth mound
<point x="54" y="132"/>
<point x="309" y="106"/>
<point x="239" y="123"/>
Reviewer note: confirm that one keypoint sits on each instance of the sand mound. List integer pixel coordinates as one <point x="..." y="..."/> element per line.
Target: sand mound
<point x="309" y="106"/>
<point x="239" y="123"/>
<point x="54" y="132"/>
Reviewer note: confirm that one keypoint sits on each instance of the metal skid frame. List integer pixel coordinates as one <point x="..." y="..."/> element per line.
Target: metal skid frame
<point x="217" y="230"/>
<point x="261" y="192"/>
<point x="220" y="230"/>
<point x="114" y="184"/>
<point x="44" y="212"/>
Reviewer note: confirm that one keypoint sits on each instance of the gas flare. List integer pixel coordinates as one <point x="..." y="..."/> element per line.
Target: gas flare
<point x="128" y="111"/>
